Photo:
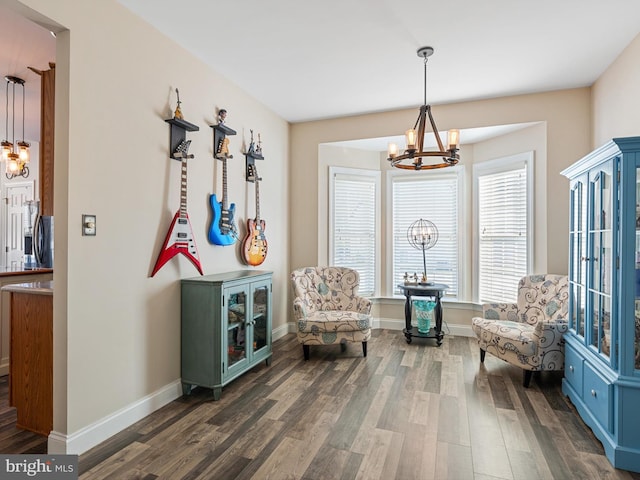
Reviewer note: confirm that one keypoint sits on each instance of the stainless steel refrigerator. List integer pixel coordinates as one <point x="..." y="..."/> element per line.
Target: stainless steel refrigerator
<point x="43" y="241"/>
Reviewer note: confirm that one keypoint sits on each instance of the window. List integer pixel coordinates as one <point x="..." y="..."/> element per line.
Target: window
<point x="354" y="210"/>
<point x="503" y="189"/>
<point x="432" y="196"/>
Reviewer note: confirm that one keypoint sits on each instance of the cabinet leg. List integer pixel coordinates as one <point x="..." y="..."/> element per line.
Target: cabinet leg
<point x="527" y="378"/>
<point x="268" y="361"/>
<point x="482" y="354"/>
<point x="343" y="347"/>
<point x="217" y="393"/>
<point x="186" y="388"/>
<point x="364" y="348"/>
<point x="305" y="351"/>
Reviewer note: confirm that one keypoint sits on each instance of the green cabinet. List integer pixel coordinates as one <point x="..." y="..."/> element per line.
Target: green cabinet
<point x="225" y="327"/>
<point x="602" y="351"/>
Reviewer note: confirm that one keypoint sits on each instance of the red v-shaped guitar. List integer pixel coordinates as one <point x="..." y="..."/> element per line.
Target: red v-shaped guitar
<point x="180" y="235"/>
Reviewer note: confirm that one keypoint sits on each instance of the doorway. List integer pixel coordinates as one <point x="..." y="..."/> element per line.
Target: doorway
<point x="16" y="222"/>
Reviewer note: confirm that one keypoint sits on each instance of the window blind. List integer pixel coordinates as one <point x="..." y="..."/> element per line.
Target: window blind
<point x="502" y="234"/>
<point x="354" y="227"/>
<point x="433" y="198"/>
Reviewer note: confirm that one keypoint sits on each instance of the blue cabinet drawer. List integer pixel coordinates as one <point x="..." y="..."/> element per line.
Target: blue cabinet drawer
<point x="573" y="366"/>
<point x="598" y="396"/>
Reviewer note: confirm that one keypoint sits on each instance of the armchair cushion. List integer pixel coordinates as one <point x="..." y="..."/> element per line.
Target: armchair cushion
<point x="505" y="335"/>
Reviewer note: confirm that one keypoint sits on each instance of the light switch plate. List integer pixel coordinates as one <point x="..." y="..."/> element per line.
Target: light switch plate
<point x="88" y="225"/>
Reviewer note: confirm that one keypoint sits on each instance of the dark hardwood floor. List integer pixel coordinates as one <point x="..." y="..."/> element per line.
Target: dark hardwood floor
<point x="407" y="411"/>
<point x="14" y="440"/>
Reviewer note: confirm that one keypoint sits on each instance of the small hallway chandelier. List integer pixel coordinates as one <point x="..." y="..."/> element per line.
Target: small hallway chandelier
<point x="412" y="158"/>
<point x="15" y="154"/>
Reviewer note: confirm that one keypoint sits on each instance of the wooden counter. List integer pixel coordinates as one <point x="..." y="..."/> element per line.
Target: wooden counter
<point x="7" y="277"/>
<point x="31" y="357"/>
<point x="16" y="272"/>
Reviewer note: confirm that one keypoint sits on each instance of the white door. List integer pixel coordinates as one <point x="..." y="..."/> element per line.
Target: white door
<point x="16" y="194"/>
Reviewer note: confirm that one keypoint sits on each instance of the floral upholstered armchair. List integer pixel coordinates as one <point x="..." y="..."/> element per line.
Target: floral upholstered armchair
<point x="529" y="333"/>
<point x="327" y="308"/>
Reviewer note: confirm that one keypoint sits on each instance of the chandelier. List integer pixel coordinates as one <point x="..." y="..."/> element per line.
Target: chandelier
<point x="15" y="154"/>
<point x="412" y="158"/>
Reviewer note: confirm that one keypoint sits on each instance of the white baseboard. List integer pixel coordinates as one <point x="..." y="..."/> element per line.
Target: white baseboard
<point x="454" y="329"/>
<point x="394" y="324"/>
<point x="281" y="331"/>
<point x="99" y="431"/>
<point x="458" y="330"/>
<point x="91" y="435"/>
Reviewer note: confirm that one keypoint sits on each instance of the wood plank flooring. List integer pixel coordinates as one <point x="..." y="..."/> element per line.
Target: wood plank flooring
<point x="407" y="411"/>
<point x="14" y="440"/>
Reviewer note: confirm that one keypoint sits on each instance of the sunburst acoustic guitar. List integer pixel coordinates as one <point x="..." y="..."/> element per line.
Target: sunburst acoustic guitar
<point x="254" y="246"/>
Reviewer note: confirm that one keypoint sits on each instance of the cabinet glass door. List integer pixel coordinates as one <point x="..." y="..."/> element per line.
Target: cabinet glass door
<point x="637" y="286"/>
<point x="578" y="270"/>
<point x="601" y="260"/>
<point x="236" y="327"/>
<point x="260" y="312"/>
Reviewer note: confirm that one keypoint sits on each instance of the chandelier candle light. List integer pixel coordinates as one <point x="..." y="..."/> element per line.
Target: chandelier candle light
<point x="412" y="158"/>
<point x="423" y="235"/>
<point x="15" y="154"/>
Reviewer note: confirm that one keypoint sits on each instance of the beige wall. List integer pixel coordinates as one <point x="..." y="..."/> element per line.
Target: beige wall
<point x="117" y="331"/>
<point x="616" y="98"/>
<point x="566" y="115"/>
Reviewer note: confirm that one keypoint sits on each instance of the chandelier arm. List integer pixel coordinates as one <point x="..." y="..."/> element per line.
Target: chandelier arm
<point x="415" y="125"/>
<point x="421" y="127"/>
<point x="435" y="129"/>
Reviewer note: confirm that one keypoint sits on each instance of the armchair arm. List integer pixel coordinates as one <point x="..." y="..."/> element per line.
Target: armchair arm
<point x="363" y="305"/>
<point x="299" y="309"/>
<point x="548" y="334"/>
<point x="500" y="311"/>
<point x="558" y="326"/>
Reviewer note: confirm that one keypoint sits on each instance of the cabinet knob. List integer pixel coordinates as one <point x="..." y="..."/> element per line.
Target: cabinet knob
<point x="593" y="393"/>
<point x="571" y="368"/>
<point x="584" y="259"/>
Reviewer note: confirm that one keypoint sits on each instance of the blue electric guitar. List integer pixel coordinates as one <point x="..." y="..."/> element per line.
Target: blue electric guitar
<point x="223" y="230"/>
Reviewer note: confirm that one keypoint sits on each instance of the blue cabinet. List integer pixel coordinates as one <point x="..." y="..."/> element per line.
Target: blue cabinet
<point x="225" y="327"/>
<point x="602" y="366"/>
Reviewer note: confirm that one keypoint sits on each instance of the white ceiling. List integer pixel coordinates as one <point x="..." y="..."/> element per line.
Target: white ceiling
<point x="23" y="44"/>
<point x="309" y="60"/>
<point x="319" y="59"/>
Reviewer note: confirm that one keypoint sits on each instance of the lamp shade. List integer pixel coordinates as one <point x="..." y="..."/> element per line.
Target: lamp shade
<point x="410" y="136"/>
<point x="454" y="138"/>
<point x="393" y="150"/>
